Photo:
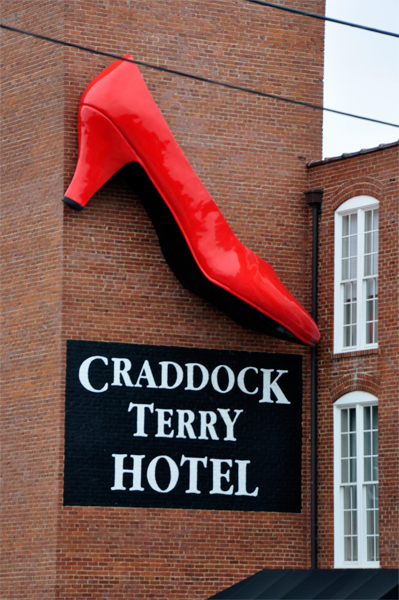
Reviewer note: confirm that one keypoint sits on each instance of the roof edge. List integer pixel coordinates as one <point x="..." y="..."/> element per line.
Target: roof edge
<point x="316" y="163"/>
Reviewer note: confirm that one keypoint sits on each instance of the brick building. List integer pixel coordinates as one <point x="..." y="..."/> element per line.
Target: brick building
<point x="99" y="276"/>
<point x="357" y="356"/>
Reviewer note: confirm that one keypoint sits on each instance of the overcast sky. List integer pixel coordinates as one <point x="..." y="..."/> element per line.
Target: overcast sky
<point x="361" y="75"/>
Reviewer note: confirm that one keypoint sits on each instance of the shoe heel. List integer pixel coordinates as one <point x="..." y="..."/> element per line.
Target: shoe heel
<point x="103" y="150"/>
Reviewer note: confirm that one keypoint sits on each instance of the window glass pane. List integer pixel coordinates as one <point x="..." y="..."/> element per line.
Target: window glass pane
<point x="344" y="446"/>
<point x="344" y="420"/>
<point x="370" y="549"/>
<point x="347" y="522"/>
<point x="354" y="291"/>
<point x="368" y="220"/>
<point x="352" y="444"/>
<point x="370" y="283"/>
<point x="345" y="269"/>
<point x="375" y="417"/>
<point x="347" y="498"/>
<point x="344" y="471"/>
<point x="368" y="243"/>
<point x="375" y="442"/>
<point x="375" y="468"/>
<point x="352" y="470"/>
<point x="345" y="225"/>
<point x="354" y="520"/>
<point x="350" y="315"/>
<point x="347" y="314"/>
<point x="375" y="220"/>
<point x="354" y="548"/>
<point x="353" y="245"/>
<point x="370" y="522"/>
<point x="369" y="311"/>
<point x="367" y="417"/>
<point x="352" y="419"/>
<point x="367" y="264"/>
<point x="352" y="268"/>
<point x="367" y="469"/>
<point x="370" y="496"/>
<point x="367" y="443"/>
<point x="347" y="549"/>
<point x="369" y="332"/>
<point x="345" y="247"/>
<point x="353" y="224"/>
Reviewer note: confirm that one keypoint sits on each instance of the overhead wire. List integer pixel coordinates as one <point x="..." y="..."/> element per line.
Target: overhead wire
<point x="191" y="76"/>
<point x="323" y="17"/>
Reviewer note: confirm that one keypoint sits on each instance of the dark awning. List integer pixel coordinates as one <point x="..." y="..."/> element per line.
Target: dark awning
<point x="324" y="584"/>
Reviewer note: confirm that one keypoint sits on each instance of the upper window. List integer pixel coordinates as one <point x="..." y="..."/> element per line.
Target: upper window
<point x="356" y="481"/>
<point x="356" y="275"/>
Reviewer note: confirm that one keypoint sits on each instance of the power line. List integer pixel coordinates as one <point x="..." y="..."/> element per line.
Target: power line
<point x="195" y="77"/>
<point x="323" y="18"/>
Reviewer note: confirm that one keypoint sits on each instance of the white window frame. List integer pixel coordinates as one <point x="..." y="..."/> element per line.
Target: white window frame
<point x="357" y="400"/>
<point x="358" y="204"/>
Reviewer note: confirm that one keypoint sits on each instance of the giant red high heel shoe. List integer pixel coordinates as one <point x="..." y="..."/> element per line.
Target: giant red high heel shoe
<point x="119" y="125"/>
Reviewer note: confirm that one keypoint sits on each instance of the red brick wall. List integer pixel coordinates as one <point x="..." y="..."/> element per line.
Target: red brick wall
<point x="32" y="86"/>
<point x="251" y="154"/>
<point x="375" y="371"/>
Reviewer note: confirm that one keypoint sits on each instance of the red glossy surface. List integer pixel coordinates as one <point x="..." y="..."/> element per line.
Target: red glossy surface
<point x="119" y="122"/>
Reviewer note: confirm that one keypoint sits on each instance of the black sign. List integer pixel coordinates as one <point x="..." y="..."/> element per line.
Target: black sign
<point x="156" y="426"/>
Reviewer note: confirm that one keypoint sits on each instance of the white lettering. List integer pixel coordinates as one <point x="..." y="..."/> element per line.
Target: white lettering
<point x="215" y="381"/>
<point x="84" y="374"/>
<point x="119" y="370"/>
<point x="241" y="380"/>
<point x="140" y="417"/>
<point x="162" y="422"/>
<point x="164" y="375"/>
<point x="146" y="373"/>
<point x="208" y="420"/>
<point x="190" y="377"/>
<point x="242" y="479"/>
<point x="174" y="474"/>
<point x="269" y="386"/>
<point x="120" y="471"/>
<point x="217" y="476"/>
<point x="224" y="412"/>
<point x="185" y="424"/>
<point x="193" y="472"/>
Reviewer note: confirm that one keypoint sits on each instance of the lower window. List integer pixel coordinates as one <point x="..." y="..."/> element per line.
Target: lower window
<point x="356" y="481"/>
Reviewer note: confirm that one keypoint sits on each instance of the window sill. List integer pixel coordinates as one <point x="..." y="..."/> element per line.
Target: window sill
<point x="368" y="565"/>
<point x="355" y="353"/>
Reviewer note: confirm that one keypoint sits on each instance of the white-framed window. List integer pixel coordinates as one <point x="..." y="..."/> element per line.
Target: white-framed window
<point x="356" y="533"/>
<point x="356" y="275"/>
